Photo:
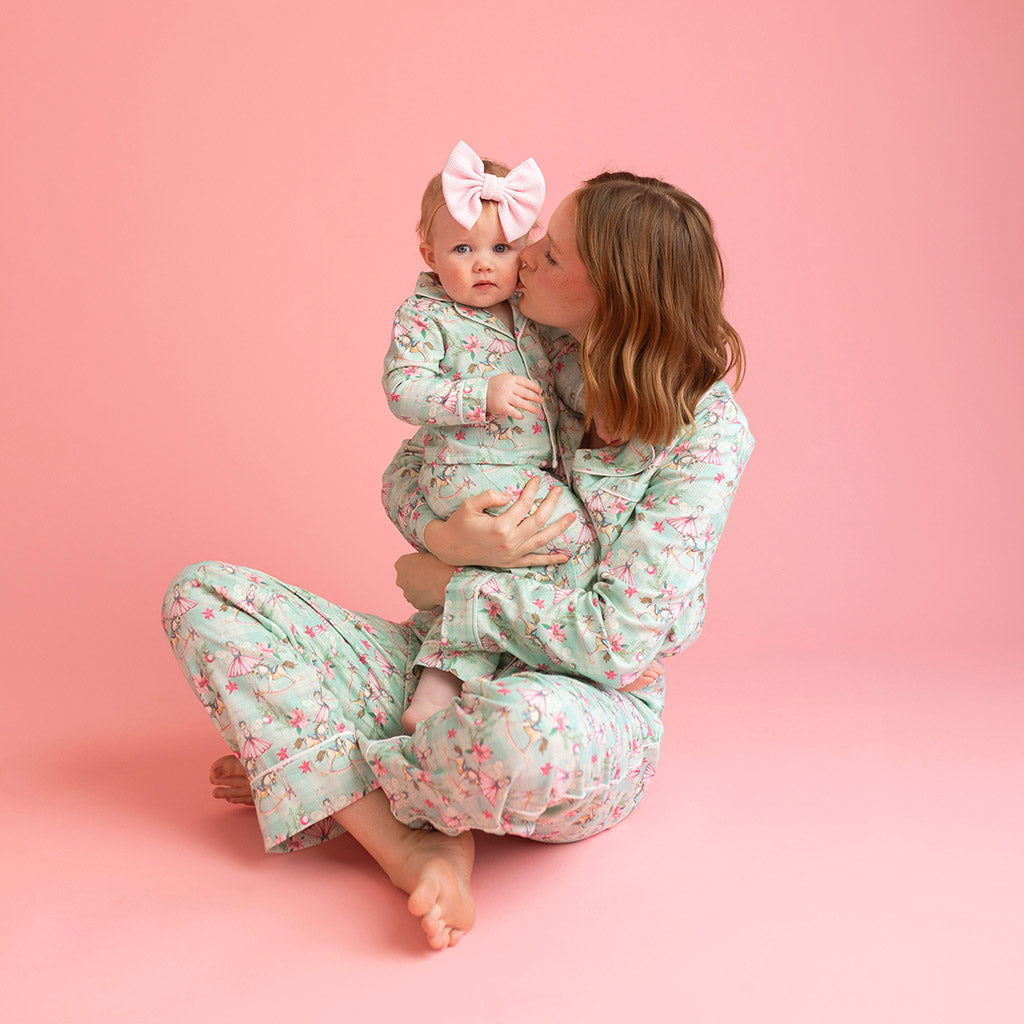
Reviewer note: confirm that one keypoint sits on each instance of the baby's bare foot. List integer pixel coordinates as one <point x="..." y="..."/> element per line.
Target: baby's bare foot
<point x="230" y="782"/>
<point x="419" y="709"/>
<point x="651" y="674"/>
<point x="435" y="690"/>
<point x="436" y="873"/>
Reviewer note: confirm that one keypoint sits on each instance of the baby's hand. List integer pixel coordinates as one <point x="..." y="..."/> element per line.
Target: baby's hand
<point x="508" y="394"/>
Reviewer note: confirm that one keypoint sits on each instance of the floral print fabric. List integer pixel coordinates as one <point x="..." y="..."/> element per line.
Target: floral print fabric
<point x="441" y="357"/>
<point x="655" y="519"/>
<point x="309" y="696"/>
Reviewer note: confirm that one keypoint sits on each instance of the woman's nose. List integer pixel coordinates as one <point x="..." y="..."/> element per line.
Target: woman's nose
<point x="526" y="255"/>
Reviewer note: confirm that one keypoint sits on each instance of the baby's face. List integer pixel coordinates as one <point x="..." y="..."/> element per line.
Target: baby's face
<point x="476" y="265"/>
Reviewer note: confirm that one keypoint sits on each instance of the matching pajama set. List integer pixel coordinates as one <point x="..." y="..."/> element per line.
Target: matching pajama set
<point x="309" y="695"/>
<point x="436" y="374"/>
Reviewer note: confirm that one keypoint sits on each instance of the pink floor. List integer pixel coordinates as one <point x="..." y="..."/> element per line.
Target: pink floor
<point x="206" y="219"/>
<point x="827" y="840"/>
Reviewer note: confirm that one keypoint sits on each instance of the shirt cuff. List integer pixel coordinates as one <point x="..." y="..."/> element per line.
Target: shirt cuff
<point x="472" y="399"/>
<point x="420" y="519"/>
<point x="464" y="606"/>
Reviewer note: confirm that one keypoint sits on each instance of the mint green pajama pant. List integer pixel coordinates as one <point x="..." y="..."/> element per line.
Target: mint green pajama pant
<point x="309" y="697"/>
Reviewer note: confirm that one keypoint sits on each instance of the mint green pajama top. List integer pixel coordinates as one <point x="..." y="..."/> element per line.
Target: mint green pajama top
<point x="658" y="515"/>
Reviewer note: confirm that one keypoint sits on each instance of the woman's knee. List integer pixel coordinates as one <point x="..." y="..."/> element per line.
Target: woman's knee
<point x="535" y="733"/>
<point x="183" y="592"/>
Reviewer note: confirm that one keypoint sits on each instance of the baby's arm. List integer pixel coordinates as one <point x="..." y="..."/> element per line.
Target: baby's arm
<point x="402" y="496"/>
<point x="420" y="389"/>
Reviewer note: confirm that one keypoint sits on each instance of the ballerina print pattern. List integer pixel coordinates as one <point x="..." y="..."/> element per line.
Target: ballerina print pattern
<point x="657" y="518"/>
<point x="309" y="697"/>
<point x="441" y="357"/>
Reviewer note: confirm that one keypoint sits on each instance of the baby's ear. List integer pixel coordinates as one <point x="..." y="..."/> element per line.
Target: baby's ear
<point x="427" y="252"/>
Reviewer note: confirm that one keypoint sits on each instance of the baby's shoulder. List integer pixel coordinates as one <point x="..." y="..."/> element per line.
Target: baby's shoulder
<point x="424" y="312"/>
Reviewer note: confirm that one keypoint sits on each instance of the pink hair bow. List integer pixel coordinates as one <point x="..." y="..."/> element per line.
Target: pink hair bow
<point x="519" y="195"/>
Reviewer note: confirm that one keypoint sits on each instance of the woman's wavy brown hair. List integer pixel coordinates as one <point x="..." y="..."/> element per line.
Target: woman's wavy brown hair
<point x="658" y="338"/>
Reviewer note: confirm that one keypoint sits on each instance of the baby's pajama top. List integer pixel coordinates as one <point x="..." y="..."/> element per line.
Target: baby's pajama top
<point x="436" y="374"/>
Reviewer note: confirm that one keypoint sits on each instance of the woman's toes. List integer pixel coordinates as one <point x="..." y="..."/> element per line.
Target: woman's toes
<point x="226" y="767"/>
<point x="230" y="782"/>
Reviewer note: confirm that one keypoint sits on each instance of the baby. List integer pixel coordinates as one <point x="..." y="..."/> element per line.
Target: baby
<point x="467" y="366"/>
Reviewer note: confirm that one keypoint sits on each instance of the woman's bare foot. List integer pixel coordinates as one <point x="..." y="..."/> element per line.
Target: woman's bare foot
<point x="230" y="782"/>
<point x="433" y="868"/>
<point x="436" y="875"/>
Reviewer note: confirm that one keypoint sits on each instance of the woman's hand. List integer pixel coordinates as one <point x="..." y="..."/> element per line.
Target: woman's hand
<point x="516" y="537"/>
<point x="422" y="579"/>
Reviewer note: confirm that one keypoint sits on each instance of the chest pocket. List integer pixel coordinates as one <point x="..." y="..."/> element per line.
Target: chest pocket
<point x="610" y="499"/>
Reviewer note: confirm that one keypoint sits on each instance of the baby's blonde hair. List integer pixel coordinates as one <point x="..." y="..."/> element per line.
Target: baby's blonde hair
<point x="433" y="197"/>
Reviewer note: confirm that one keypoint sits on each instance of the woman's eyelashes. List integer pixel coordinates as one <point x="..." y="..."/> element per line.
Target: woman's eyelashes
<point x="549" y="258"/>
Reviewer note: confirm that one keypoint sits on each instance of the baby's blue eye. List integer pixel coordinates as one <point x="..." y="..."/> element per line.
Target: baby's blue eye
<point x="461" y="249"/>
<point x="502" y="247"/>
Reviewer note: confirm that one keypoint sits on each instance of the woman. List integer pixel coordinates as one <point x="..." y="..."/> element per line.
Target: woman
<point x="558" y="745"/>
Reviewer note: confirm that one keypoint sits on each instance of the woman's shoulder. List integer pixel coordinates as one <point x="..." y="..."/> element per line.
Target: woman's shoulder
<point x="719" y="437"/>
<point x="719" y="412"/>
<point x="718" y="398"/>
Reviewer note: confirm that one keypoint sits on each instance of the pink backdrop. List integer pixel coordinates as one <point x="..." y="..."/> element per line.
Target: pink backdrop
<point x="207" y="224"/>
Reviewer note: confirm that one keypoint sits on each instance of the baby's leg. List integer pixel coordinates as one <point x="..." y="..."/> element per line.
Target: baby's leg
<point x="435" y="690"/>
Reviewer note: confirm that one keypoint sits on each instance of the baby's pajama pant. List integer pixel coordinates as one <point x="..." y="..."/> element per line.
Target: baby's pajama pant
<point x="309" y="697"/>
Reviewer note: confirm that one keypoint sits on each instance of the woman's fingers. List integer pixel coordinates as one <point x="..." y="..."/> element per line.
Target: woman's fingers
<point x="538" y="558"/>
<point x="520" y="508"/>
<point x="542" y="538"/>
<point x="489" y="499"/>
<point x="534" y="521"/>
<point x="532" y="530"/>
